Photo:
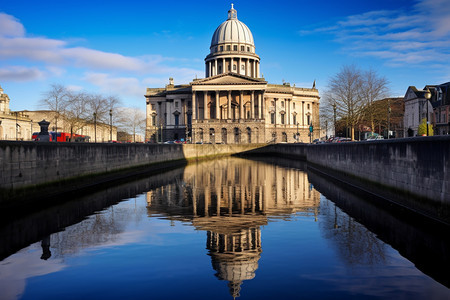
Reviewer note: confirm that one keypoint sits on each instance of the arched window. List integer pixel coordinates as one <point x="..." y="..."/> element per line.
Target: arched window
<point x="284" y="137"/>
<point x="249" y="135"/>
<point x="237" y="138"/>
<point x="224" y="135"/>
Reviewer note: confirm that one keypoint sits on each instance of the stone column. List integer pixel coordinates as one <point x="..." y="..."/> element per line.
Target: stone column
<point x="231" y="65"/>
<point x="252" y="103"/>
<point x="205" y="105"/>
<point x="223" y="65"/>
<point x="260" y="106"/>
<point x="217" y="105"/>
<point x="239" y="66"/>
<point x="257" y="69"/>
<point x="229" y="106"/>
<point x="288" y="111"/>
<point x="254" y="68"/>
<point x="246" y="67"/>
<point x="210" y="67"/>
<point x="303" y="113"/>
<point x="215" y="67"/>
<point x="241" y="106"/>
<point x="194" y="113"/>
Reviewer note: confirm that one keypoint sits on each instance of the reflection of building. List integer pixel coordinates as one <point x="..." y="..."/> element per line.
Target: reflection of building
<point x="233" y="103"/>
<point x="231" y="199"/>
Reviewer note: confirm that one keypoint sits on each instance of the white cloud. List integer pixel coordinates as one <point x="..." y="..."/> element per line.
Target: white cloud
<point x="20" y="73"/>
<point x="116" y="85"/>
<point x="10" y="26"/>
<point x="59" y="56"/>
<point x="414" y="37"/>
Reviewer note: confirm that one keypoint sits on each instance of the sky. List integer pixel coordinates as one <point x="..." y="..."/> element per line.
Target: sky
<point x="122" y="47"/>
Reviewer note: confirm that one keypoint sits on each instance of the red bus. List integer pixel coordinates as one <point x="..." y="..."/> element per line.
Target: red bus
<point x="62" y="137"/>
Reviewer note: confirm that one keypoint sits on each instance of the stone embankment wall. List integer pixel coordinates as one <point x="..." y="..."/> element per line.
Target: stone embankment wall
<point x="24" y="164"/>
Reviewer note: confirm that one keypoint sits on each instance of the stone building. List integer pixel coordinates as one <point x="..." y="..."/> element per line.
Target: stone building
<point x="14" y="125"/>
<point x="440" y="100"/>
<point x="416" y="107"/>
<point x="233" y="103"/>
<point x="20" y="125"/>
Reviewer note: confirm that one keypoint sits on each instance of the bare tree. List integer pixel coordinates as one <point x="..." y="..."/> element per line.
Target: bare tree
<point x="76" y="112"/>
<point x="343" y="95"/>
<point x="131" y="120"/>
<point x="56" y="100"/>
<point x="374" y="88"/>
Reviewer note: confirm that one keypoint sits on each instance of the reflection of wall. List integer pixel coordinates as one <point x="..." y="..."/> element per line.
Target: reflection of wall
<point x="231" y="199"/>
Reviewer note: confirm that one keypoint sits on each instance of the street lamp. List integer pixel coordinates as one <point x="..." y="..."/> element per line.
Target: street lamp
<point x="427" y="96"/>
<point x="389" y="118"/>
<point x="95" y="126"/>
<point x="334" y="110"/>
<point x="110" y="125"/>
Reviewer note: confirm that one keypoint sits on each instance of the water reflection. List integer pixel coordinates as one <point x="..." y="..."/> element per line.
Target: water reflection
<point x="231" y="199"/>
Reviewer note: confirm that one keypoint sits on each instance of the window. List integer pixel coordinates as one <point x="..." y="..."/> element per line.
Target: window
<point x="308" y="119"/>
<point x="293" y="105"/>
<point x="235" y="47"/>
<point x="242" y="48"/>
<point x="221" y="48"/>
<point x="272" y="118"/>
<point x="295" y="119"/>
<point x="177" y="118"/>
<point x="228" y="47"/>
<point x="153" y="120"/>
<point x="282" y="103"/>
<point x="248" y="49"/>
<point x="234" y="67"/>
<point x="243" y="67"/>
<point x="282" y="118"/>
<point x="176" y="104"/>
<point x="308" y="106"/>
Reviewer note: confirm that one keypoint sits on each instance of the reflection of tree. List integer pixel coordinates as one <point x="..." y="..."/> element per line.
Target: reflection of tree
<point x="355" y="243"/>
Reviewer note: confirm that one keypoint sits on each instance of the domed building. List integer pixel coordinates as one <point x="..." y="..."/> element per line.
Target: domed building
<point x="233" y="103"/>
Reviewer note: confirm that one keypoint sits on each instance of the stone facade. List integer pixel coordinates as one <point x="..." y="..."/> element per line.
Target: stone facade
<point x="233" y="103"/>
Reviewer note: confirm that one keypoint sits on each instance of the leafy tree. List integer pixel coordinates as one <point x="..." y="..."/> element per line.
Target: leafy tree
<point x="422" y="130"/>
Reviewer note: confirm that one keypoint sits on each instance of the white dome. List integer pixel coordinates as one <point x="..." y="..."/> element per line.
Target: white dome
<point x="232" y="31"/>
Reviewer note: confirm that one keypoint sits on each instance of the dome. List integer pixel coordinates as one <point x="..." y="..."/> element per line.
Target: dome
<point x="232" y="31"/>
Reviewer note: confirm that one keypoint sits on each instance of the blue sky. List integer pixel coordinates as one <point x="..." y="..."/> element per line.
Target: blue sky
<point x="122" y="47"/>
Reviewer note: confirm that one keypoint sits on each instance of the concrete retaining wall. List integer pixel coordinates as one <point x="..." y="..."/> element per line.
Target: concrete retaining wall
<point x="24" y="164"/>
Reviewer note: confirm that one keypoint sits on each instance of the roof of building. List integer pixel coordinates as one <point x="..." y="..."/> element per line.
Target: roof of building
<point x="232" y="31"/>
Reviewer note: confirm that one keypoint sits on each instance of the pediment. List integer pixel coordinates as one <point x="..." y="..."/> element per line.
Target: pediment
<point x="229" y="78"/>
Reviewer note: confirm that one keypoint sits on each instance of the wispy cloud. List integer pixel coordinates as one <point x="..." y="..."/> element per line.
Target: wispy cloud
<point x="41" y="57"/>
<point x="415" y="36"/>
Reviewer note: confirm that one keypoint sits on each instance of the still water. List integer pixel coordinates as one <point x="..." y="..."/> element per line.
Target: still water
<point x="223" y="229"/>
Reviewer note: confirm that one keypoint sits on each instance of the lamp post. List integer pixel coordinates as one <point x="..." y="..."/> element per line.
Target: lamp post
<point x="110" y="125"/>
<point x="389" y="118"/>
<point x="427" y="96"/>
<point x="334" y="110"/>
<point x="95" y="127"/>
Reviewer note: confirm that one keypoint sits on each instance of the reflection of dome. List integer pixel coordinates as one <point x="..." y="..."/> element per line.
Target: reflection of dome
<point x="232" y="31"/>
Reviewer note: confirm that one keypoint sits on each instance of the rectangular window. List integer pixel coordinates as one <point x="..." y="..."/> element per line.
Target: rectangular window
<point x="228" y="47"/>
<point x="293" y="105"/>
<point x="176" y="104"/>
<point x="221" y="48"/>
<point x="177" y="117"/>
<point x="248" y="49"/>
<point x="242" y="48"/>
<point x="294" y="119"/>
<point x="272" y="118"/>
<point x="308" y="120"/>
<point x="308" y="106"/>
<point x="282" y="118"/>
<point x="154" y="120"/>
<point x="235" y="48"/>
<point x="282" y="103"/>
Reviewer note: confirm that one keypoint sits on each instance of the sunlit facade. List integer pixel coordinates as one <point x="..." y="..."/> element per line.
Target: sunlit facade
<point x="233" y="103"/>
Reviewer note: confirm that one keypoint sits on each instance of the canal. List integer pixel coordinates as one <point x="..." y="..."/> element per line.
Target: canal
<point x="223" y="229"/>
